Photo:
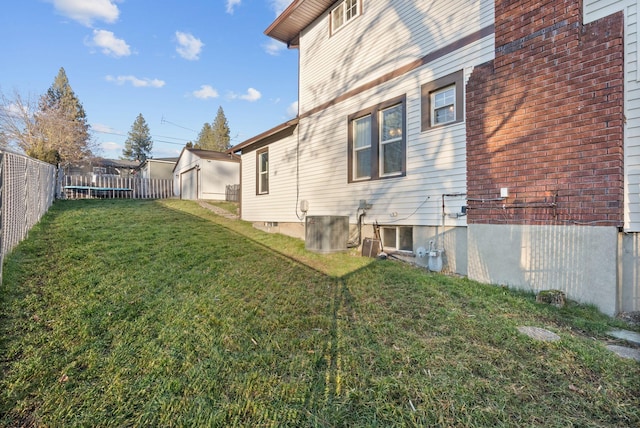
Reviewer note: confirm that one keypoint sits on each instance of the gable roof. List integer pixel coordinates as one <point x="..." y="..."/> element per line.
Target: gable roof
<point x="209" y="154"/>
<point x="258" y="139"/>
<point x="213" y="155"/>
<point x="299" y="15"/>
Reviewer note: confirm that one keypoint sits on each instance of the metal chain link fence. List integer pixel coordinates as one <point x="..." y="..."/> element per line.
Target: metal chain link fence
<point x="27" y="190"/>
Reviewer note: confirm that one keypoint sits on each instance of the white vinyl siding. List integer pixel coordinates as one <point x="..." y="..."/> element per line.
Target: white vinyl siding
<point x="389" y="35"/>
<point x="435" y="158"/>
<point x="594" y="10"/>
<point x="436" y="163"/>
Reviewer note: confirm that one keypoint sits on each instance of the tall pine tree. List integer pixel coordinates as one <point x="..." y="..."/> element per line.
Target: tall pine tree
<point x="215" y="136"/>
<point x="139" y="143"/>
<point x="62" y="133"/>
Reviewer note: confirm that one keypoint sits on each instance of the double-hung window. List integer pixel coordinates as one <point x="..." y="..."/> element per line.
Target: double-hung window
<point x="443" y="104"/>
<point x="443" y="101"/>
<point x="344" y="13"/>
<point x="391" y="141"/>
<point x="362" y="147"/>
<point x="377" y="145"/>
<point x="262" y="170"/>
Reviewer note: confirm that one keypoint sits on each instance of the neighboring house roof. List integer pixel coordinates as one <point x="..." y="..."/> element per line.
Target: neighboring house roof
<point x="211" y="155"/>
<point x="116" y="163"/>
<point x="300" y="13"/>
<point x="161" y="160"/>
<point x="259" y="139"/>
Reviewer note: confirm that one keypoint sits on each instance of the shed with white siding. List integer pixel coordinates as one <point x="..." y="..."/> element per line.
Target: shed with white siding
<point x="205" y="174"/>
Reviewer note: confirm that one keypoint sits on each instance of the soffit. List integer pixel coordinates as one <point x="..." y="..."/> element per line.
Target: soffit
<point x="299" y="15"/>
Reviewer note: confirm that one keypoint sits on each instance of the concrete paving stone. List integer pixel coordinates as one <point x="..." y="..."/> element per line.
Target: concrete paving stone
<point x="629" y="336"/>
<point x="539" y="333"/>
<point x="624" y="352"/>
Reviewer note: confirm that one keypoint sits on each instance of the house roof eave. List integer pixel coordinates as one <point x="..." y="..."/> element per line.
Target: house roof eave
<point x="260" y="137"/>
<point x="295" y="18"/>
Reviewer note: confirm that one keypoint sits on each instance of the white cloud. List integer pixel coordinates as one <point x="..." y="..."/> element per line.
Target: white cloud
<point x="87" y="11"/>
<point x="110" y="145"/>
<point x="138" y="83"/>
<point x="105" y="129"/>
<point x="279" y="6"/>
<point x="231" y="4"/>
<point x="274" y="47"/>
<point x="189" y="47"/>
<point x="251" y="95"/>
<point x="205" y="92"/>
<point x="292" y="110"/>
<point x="110" y="44"/>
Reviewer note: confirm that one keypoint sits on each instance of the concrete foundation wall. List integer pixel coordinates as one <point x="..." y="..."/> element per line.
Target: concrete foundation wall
<point x="629" y="272"/>
<point x="581" y="261"/>
<point x="453" y="241"/>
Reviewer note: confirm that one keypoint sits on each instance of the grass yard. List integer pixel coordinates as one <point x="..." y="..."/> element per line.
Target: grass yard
<point x="146" y="313"/>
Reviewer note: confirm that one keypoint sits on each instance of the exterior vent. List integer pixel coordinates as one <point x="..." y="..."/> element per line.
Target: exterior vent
<point x="326" y="234"/>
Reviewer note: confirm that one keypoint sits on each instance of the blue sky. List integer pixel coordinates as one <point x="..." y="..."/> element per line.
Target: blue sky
<point x="173" y="61"/>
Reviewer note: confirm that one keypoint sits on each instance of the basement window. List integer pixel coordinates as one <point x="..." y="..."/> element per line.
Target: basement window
<point x="398" y="238"/>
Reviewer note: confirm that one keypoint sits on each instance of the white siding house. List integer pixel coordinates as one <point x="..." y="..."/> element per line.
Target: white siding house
<point x="204" y="174"/>
<point x="382" y="136"/>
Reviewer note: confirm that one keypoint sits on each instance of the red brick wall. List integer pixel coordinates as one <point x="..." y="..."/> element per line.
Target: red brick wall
<point x="545" y="118"/>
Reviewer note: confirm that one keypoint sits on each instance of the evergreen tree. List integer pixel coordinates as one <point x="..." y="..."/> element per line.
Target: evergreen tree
<point x="138" y="144"/>
<point x="220" y="130"/>
<point x="206" y="139"/>
<point x="59" y="131"/>
<point x="215" y="136"/>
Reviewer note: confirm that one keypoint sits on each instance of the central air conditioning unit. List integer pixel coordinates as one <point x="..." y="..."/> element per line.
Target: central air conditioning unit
<point x="326" y="234"/>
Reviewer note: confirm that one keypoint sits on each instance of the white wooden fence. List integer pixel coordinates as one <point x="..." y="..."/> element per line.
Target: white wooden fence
<point x="110" y="186"/>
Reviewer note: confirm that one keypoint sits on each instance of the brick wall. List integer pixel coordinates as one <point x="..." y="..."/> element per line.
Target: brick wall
<point x="545" y="119"/>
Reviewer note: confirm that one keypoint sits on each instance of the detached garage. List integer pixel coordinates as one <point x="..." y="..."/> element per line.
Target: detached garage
<point x="205" y="174"/>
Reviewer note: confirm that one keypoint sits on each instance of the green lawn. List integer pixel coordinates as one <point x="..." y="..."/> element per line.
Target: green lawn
<point x="142" y="313"/>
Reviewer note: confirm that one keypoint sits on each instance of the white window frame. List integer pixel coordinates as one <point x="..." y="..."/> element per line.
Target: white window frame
<point x="397" y="138"/>
<point x="357" y="149"/>
<point x="435" y="106"/>
<point x="376" y="147"/>
<point x="397" y="231"/>
<point x="345" y="11"/>
<point x="262" y="173"/>
<point x="430" y="90"/>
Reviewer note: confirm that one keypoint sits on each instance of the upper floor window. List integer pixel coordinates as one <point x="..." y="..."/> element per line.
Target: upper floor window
<point x="262" y="172"/>
<point x="443" y="101"/>
<point x="377" y="144"/>
<point x="343" y="13"/>
<point x="443" y="106"/>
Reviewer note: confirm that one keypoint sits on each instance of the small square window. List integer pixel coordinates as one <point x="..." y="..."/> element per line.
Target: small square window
<point x="443" y="101"/>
